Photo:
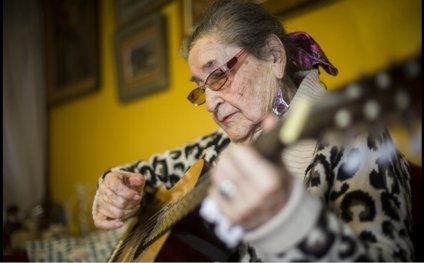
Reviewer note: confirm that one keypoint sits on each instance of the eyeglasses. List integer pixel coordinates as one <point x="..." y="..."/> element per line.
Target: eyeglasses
<point x="215" y="81"/>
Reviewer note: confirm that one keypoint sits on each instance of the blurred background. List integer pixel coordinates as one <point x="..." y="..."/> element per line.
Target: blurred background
<point x="88" y="85"/>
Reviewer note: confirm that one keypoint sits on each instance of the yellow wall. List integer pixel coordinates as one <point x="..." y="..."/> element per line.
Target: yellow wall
<point x="96" y="131"/>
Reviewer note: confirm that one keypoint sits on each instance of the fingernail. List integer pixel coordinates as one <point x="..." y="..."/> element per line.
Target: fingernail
<point x="118" y="224"/>
<point x="136" y="197"/>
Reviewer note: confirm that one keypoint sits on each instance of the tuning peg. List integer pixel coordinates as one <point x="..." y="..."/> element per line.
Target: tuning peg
<point x="412" y="69"/>
<point x="353" y="91"/>
<point x="402" y="100"/>
<point x="383" y="80"/>
<point x="371" y="110"/>
<point x="342" y="118"/>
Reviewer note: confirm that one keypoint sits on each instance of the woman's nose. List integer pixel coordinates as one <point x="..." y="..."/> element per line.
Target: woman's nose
<point x="213" y="99"/>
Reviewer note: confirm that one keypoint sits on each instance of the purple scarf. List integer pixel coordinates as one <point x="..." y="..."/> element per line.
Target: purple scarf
<point x="309" y="55"/>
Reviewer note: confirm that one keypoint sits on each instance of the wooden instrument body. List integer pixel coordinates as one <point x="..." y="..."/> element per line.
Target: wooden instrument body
<point x="190" y="239"/>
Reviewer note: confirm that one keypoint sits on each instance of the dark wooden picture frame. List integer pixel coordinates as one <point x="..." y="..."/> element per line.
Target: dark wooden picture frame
<point x="192" y="13"/>
<point x="72" y="48"/>
<point x="141" y="58"/>
<point x="128" y="10"/>
<point x="193" y="9"/>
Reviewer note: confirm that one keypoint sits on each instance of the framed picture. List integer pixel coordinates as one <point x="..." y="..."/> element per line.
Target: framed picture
<point x="192" y="13"/>
<point x="128" y="10"/>
<point x="141" y="58"/>
<point x="72" y="48"/>
<point x="193" y="9"/>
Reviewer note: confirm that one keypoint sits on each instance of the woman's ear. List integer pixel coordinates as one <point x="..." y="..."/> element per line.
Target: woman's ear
<point x="278" y="55"/>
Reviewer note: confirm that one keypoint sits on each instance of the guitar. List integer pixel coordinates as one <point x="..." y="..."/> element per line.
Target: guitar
<point x="169" y="227"/>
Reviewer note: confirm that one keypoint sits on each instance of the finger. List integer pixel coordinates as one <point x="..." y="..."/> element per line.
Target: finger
<point x="225" y="207"/>
<point x="255" y="168"/>
<point x="107" y="198"/>
<point x="101" y="221"/>
<point x="228" y="171"/>
<point x="118" y="185"/>
<point x="113" y="212"/>
<point x="111" y="198"/>
<point x="247" y="211"/>
<point x="131" y="212"/>
<point x="237" y="209"/>
<point x="262" y="179"/>
<point x="136" y="182"/>
<point x="269" y="122"/>
<point x="230" y="162"/>
<point x="232" y="208"/>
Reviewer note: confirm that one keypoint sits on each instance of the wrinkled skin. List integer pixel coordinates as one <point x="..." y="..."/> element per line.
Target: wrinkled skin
<point x="119" y="198"/>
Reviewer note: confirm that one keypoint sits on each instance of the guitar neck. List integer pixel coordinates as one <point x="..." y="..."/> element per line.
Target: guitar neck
<point x="392" y="95"/>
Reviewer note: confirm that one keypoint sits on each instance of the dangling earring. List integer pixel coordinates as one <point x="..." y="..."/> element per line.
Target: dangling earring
<point x="280" y="106"/>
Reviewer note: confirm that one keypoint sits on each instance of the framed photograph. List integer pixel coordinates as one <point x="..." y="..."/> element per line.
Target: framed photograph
<point x="128" y="10"/>
<point x="192" y="13"/>
<point x="72" y="48"/>
<point x="193" y="9"/>
<point x="141" y="58"/>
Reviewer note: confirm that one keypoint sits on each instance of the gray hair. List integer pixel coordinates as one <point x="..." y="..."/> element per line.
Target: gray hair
<point x="242" y="23"/>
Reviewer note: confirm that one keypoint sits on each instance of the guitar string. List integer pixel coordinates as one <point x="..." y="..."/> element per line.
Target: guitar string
<point x="150" y="222"/>
<point x="164" y="218"/>
<point x="181" y="208"/>
<point x="175" y="211"/>
<point x="166" y="208"/>
<point x="150" y="228"/>
<point x="138" y="230"/>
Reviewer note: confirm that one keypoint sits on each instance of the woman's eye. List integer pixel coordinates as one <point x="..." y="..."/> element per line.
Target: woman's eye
<point x="217" y="75"/>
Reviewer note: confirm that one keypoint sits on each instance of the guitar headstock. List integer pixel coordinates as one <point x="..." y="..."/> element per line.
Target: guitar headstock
<point x="390" y="95"/>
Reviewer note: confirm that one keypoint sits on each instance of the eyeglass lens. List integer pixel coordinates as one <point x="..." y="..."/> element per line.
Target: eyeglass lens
<point x="214" y="81"/>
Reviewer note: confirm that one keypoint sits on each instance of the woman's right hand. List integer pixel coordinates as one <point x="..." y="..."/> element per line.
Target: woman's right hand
<point x="119" y="197"/>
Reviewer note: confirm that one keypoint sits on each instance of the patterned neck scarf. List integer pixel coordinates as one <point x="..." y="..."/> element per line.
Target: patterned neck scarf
<point x="309" y="55"/>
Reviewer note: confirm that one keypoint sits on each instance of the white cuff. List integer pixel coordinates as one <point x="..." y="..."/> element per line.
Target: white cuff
<point x="290" y="225"/>
<point x="228" y="233"/>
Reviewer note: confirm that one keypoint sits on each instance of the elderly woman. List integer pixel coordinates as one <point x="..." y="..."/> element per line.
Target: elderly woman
<point x="328" y="202"/>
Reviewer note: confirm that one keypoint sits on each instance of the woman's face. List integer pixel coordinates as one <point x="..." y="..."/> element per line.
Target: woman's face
<point x="247" y="96"/>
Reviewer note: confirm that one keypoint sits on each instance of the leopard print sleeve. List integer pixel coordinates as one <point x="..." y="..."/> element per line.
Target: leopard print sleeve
<point x="367" y="188"/>
<point x="360" y="196"/>
<point x="168" y="167"/>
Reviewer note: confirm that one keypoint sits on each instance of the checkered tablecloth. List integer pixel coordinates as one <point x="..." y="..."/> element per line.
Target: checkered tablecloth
<point x="94" y="247"/>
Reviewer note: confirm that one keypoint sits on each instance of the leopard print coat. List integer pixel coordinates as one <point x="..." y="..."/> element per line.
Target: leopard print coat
<point x="351" y="201"/>
<point x="358" y="197"/>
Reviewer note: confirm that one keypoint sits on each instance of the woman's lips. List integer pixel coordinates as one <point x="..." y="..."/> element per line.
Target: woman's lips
<point x="227" y="117"/>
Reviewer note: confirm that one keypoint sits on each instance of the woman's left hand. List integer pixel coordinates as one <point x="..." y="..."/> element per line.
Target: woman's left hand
<point x="248" y="189"/>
